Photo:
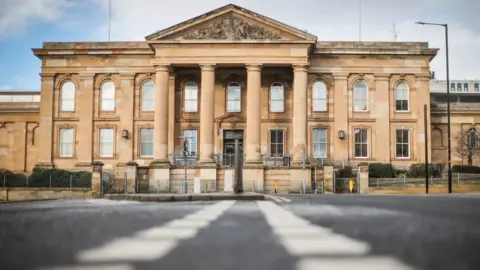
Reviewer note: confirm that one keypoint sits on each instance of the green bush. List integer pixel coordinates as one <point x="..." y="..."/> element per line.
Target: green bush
<point x="361" y="164"/>
<point x="47" y="178"/>
<point x="465" y="169"/>
<point x="346" y="172"/>
<point x="400" y="172"/>
<point x="380" y="170"/>
<point x="418" y="170"/>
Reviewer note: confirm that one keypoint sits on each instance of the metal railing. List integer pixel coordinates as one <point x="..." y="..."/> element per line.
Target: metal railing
<point x="404" y="181"/>
<point x="276" y="160"/>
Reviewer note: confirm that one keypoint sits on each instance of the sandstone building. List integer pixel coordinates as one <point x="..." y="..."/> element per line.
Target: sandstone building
<point x="230" y="73"/>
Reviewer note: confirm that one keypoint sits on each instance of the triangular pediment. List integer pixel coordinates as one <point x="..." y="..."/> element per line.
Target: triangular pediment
<point x="234" y="23"/>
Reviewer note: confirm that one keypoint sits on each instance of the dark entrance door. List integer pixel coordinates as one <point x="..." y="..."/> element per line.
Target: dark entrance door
<point x="233" y="155"/>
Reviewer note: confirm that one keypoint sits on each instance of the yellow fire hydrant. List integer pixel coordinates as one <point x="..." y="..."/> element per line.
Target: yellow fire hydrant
<point x="351" y="184"/>
<point x="275" y="186"/>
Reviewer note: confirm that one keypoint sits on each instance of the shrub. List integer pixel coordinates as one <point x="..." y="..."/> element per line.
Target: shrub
<point x="362" y="164"/>
<point x="46" y="177"/>
<point x="465" y="169"/>
<point x="345" y="172"/>
<point x="418" y="170"/>
<point x="400" y="172"/>
<point x="380" y="170"/>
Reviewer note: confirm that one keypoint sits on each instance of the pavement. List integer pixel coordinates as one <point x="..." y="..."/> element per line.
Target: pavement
<point x="302" y="232"/>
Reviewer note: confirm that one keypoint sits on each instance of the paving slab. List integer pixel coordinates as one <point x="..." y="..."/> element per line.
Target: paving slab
<point x="169" y="197"/>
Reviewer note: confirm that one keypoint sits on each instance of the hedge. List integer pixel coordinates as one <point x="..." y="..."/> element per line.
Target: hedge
<point x="380" y="170"/>
<point x="418" y="170"/>
<point x="465" y="169"/>
<point x="46" y="178"/>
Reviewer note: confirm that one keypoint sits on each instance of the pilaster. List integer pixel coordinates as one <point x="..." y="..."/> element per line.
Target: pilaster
<point x="45" y="150"/>
<point x="340" y="112"/>
<point x="126" y="145"/>
<point x="382" y="115"/>
<point x="85" y="124"/>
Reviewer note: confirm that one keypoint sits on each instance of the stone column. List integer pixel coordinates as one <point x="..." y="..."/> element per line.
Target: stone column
<point x="328" y="185"/>
<point x="161" y="116"/>
<point x="299" y="113"/>
<point x="160" y="176"/>
<point x="253" y="174"/>
<point x="363" y="185"/>
<point x="45" y="149"/>
<point x="254" y="104"/>
<point x="171" y="116"/>
<point x="207" y="105"/>
<point x="85" y="125"/>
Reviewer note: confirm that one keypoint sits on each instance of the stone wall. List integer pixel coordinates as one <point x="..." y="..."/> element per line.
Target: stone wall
<point x="420" y="189"/>
<point x="23" y="194"/>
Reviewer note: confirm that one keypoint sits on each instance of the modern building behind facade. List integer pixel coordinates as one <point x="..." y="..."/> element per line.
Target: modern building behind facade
<point x="230" y="73"/>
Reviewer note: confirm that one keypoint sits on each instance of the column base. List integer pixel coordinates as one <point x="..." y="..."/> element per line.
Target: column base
<point x="253" y="179"/>
<point x="208" y="179"/>
<point x="159" y="180"/>
<point x="207" y="163"/>
<point x="300" y="164"/>
<point x="300" y="177"/>
<point x="253" y="164"/>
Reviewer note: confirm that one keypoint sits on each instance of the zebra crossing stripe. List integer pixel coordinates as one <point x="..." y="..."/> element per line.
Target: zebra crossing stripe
<point x="154" y="243"/>
<point x="305" y="240"/>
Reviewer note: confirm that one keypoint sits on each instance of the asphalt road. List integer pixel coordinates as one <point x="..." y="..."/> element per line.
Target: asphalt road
<point x="309" y="232"/>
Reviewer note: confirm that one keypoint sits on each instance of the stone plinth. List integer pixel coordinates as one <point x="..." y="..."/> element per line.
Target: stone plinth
<point x="131" y="172"/>
<point x="363" y="179"/>
<point x="328" y="185"/>
<point x="253" y="179"/>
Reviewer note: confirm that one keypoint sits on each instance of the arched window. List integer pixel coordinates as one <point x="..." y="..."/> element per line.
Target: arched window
<point x="191" y="97"/>
<point x="472" y="138"/>
<point x="276" y="98"/>
<point x="401" y="97"/>
<point x="68" y="97"/>
<point x="107" y="96"/>
<point x="234" y="97"/>
<point x="319" y="97"/>
<point x="148" y="96"/>
<point x="360" y="96"/>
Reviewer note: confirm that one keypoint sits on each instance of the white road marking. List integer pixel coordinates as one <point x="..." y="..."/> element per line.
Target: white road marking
<point x="303" y="239"/>
<point x="110" y="202"/>
<point x="360" y="263"/>
<point x="93" y="267"/>
<point x="156" y="242"/>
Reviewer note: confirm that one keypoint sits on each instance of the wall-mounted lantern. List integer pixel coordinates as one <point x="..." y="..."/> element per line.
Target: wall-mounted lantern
<point x="341" y="135"/>
<point x="125" y="134"/>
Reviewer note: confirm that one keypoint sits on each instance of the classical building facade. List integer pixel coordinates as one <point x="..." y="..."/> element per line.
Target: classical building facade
<point x="230" y="73"/>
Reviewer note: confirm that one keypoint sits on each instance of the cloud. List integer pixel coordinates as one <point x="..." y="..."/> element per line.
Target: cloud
<point x="16" y="15"/>
<point x="329" y="20"/>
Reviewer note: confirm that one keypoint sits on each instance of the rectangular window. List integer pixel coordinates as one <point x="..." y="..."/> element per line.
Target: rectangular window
<point x="66" y="142"/>
<point x="361" y="143"/>
<point x="276" y="142"/>
<point x="475" y="87"/>
<point x="465" y="87"/>
<point x="191" y="141"/>
<point x="403" y="143"/>
<point x="452" y="87"/>
<point x="459" y="87"/>
<point x="320" y="143"/>
<point x="106" y="142"/>
<point x="146" y="142"/>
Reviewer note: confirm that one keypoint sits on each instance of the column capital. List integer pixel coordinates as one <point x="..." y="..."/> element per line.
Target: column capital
<point x="300" y="68"/>
<point x="253" y="67"/>
<point x="207" y="67"/>
<point x="162" y="68"/>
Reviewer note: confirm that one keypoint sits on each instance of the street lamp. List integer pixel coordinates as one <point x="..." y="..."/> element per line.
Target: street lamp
<point x="448" y="103"/>
<point x="185" y="152"/>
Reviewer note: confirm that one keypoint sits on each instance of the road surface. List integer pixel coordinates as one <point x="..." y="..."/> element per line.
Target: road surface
<point x="308" y="232"/>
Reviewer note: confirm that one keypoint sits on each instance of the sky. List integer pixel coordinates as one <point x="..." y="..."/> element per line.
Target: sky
<point x="25" y="24"/>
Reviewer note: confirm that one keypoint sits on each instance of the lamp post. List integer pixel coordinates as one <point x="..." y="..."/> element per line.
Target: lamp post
<point x="185" y="152"/>
<point x="449" y="150"/>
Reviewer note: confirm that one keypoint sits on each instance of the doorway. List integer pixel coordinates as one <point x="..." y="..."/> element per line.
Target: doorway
<point x="229" y="138"/>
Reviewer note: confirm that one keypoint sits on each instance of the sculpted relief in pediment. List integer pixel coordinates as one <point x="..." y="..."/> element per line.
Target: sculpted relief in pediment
<point x="231" y="27"/>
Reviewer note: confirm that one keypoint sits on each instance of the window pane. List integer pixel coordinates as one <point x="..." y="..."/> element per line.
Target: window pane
<point x="146" y="149"/>
<point x="68" y="97"/>
<point x="67" y="105"/>
<point x="108" y="96"/>
<point x="319" y="105"/>
<point x="319" y="90"/>
<point x="108" y="105"/>
<point x="148" y="96"/>
<point x="146" y="134"/>
<point x="276" y="106"/>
